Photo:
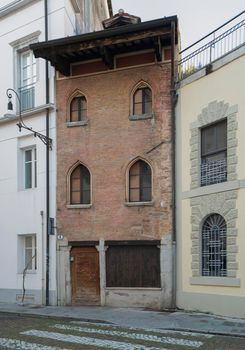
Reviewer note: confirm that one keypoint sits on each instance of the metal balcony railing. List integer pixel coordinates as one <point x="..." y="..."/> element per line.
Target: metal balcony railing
<point x="216" y="44"/>
<point x="213" y="172"/>
<point x="27" y="97"/>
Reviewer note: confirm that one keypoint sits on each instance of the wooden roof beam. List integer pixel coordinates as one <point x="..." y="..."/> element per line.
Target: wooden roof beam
<point x="158" y="48"/>
<point x="107" y="57"/>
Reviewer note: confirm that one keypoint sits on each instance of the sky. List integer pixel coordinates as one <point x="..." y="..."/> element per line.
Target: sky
<point x="196" y="17"/>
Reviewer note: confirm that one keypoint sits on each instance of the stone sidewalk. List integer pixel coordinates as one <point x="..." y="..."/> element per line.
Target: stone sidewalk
<point x="139" y="318"/>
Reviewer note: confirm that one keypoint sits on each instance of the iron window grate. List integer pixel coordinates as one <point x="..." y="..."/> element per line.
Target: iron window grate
<point x="214" y="260"/>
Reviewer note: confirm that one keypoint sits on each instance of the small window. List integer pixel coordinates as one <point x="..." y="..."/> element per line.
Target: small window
<point x="140" y="182"/>
<point x="80" y="185"/>
<point x="214" y="246"/>
<point x="214" y="153"/>
<point x="27" y="253"/>
<point x="142" y="101"/>
<point x="30" y="168"/>
<point x="78" y="109"/>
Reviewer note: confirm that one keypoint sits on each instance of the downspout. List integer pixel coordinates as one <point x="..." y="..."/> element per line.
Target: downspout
<point x="173" y="132"/>
<point x="47" y="157"/>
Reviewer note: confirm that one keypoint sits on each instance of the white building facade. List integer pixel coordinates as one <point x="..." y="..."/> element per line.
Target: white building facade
<point x="23" y="173"/>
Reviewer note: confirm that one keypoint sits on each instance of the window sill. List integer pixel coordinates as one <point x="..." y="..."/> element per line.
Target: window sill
<point x="139" y="204"/>
<point x="209" y="189"/>
<point x="79" y="123"/>
<point x="29" y="272"/>
<point x="141" y="116"/>
<point x="78" y="206"/>
<point x="215" y="281"/>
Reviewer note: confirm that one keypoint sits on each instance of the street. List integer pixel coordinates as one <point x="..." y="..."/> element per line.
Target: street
<point x="39" y="333"/>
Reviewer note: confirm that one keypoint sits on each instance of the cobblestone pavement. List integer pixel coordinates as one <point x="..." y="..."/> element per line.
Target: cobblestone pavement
<point x="38" y="333"/>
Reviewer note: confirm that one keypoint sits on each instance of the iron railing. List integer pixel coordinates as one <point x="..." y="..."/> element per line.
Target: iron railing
<point x="27" y="97"/>
<point x="216" y="44"/>
<point x="213" y="172"/>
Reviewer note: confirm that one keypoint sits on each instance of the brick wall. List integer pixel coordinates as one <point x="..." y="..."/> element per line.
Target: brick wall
<point x="106" y="145"/>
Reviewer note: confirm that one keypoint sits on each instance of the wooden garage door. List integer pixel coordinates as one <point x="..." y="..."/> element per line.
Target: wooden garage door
<point x="85" y="276"/>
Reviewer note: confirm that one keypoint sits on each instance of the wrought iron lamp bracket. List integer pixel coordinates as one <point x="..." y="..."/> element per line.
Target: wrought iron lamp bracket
<point x="21" y="125"/>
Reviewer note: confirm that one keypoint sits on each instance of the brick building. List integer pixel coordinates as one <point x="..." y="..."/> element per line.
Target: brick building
<point x="114" y="162"/>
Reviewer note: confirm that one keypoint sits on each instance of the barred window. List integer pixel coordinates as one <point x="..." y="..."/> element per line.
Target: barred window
<point x="140" y="182"/>
<point x="78" y="109"/>
<point x="142" y="101"/>
<point x="80" y="185"/>
<point x="214" y="260"/>
<point x="214" y="153"/>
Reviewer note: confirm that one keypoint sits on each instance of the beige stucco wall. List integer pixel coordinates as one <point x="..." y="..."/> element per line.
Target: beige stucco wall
<point x="225" y="83"/>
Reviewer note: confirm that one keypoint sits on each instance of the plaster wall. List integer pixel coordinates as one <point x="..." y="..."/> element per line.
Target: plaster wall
<point x="223" y="85"/>
<point x="24" y="211"/>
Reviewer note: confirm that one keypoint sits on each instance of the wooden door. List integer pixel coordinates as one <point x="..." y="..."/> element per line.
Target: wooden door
<point x="85" y="276"/>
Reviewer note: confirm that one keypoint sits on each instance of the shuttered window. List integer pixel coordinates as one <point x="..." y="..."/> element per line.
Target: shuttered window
<point x="140" y="182"/>
<point x="142" y="101"/>
<point x="78" y="110"/>
<point x="133" y="266"/>
<point x="80" y="185"/>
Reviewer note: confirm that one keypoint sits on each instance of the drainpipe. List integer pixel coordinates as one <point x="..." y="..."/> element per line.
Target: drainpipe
<point x="47" y="157"/>
<point x="173" y="131"/>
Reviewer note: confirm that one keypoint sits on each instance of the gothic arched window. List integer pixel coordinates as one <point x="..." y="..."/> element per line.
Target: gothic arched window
<point x="80" y="185"/>
<point x="78" y="109"/>
<point x="140" y="182"/>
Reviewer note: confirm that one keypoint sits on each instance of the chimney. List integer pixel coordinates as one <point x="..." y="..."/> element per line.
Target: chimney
<point x="120" y="19"/>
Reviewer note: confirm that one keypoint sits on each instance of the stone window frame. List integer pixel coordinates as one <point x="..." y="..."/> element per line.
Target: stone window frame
<point x="223" y="203"/>
<point x="132" y="116"/>
<point x="214" y="112"/>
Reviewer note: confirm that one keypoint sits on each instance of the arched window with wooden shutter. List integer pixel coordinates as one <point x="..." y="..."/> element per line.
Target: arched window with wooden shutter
<point x="80" y="185"/>
<point x="140" y="182"/>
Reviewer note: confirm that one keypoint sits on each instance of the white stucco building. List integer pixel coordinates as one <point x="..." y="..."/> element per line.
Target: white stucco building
<point x="23" y="173"/>
<point x="210" y="172"/>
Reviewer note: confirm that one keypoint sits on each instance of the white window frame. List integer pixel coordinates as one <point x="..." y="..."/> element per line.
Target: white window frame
<point x="33" y="162"/>
<point x="23" y="265"/>
<point x="21" y="48"/>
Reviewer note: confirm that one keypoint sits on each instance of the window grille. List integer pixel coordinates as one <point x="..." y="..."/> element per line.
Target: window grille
<point x="214" y="260"/>
<point x="213" y="167"/>
<point x="213" y="172"/>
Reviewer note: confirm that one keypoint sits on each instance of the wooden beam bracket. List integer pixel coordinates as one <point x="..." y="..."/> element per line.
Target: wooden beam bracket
<point x="158" y="48"/>
<point x="107" y="57"/>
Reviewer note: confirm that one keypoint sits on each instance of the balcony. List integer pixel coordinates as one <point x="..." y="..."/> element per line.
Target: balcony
<point x="27" y="97"/>
<point x="213" y="46"/>
<point x="213" y="172"/>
